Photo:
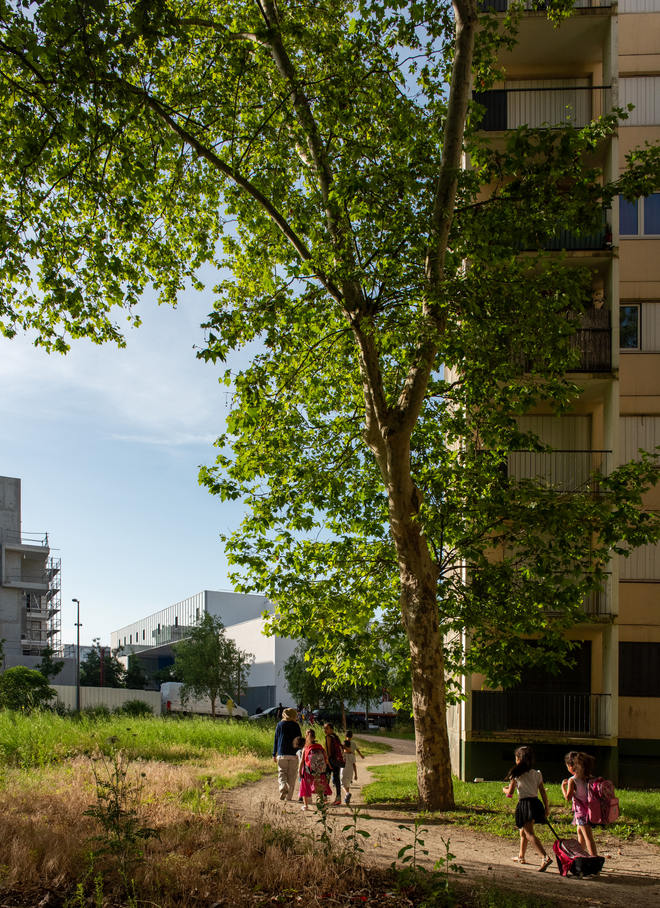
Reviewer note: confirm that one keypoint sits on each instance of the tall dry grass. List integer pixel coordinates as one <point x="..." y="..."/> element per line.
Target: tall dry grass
<point x="203" y="854"/>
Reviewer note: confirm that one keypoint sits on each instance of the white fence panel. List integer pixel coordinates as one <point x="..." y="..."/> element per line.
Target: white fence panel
<point x="106" y="696"/>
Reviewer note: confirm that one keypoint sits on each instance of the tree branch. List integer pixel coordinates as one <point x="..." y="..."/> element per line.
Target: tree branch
<point x="209" y="155"/>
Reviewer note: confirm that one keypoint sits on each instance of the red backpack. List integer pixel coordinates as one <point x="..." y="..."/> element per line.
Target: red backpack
<point x="315" y="760"/>
<point x="335" y="751"/>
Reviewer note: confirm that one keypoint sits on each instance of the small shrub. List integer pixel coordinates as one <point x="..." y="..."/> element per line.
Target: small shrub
<point x="101" y="711"/>
<point x="134" y="708"/>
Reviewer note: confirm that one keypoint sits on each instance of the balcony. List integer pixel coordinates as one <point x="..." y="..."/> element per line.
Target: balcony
<point x="593" y="341"/>
<point x="561" y="471"/>
<point x="580" y="715"/>
<point x="537" y="104"/>
<point x="502" y="6"/>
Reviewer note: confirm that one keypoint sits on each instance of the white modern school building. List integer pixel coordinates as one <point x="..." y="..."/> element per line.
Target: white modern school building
<point x="152" y="639"/>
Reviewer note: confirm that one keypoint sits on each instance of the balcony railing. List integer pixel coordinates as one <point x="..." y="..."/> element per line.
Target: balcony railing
<point x="593" y="341"/>
<point x="501" y="6"/>
<point x="579" y="715"/>
<point x="562" y="471"/>
<point x="544" y="106"/>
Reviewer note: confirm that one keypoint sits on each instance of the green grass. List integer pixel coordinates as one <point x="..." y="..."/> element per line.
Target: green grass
<point x="404" y="731"/>
<point x="42" y="739"/>
<point x="369" y="746"/>
<point x="482" y="806"/>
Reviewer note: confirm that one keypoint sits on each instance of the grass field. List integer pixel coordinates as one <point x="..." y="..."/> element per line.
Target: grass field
<point x="482" y="805"/>
<point x="43" y="739"/>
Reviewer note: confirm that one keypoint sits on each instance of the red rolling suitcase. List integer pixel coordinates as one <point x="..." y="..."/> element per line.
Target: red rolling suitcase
<point x="572" y="858"/>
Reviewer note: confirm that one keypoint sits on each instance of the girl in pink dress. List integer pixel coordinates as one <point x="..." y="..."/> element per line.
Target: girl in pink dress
<point x="312" y="768"/>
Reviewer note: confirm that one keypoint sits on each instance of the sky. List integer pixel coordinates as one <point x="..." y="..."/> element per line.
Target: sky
<point x="107" y="443"/>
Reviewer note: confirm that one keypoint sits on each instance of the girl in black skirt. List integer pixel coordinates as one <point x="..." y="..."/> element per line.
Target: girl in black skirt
<point x="529" y="810"/>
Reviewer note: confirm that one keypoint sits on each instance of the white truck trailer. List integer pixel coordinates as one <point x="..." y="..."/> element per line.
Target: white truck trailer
<point x="170" y="695"/>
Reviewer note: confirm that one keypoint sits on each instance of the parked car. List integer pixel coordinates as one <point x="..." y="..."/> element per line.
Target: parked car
<point x="270" y="713"/>
<point x="170" y="695"/>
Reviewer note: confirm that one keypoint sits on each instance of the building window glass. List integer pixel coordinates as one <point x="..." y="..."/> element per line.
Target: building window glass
<point x="629" y="327"/>
<point x="628" y="217"/>
<point x="143" y="633"/>
<point x="638" y="670"/>
<point x="652" y="214"/>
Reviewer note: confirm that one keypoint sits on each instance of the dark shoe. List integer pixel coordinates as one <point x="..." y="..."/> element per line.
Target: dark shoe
<point x="347" y="799"/>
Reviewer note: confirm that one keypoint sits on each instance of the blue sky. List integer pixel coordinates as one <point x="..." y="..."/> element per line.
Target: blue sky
<point x="107" y="443"/>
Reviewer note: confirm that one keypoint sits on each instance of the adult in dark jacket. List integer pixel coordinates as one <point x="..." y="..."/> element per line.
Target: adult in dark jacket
<point x="284" y="753"/>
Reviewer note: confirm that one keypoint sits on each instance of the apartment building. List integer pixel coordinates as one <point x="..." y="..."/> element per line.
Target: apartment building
<point x="152" y="639"/>
<point x="29" y="585"/>
<point x="604" y="56"/>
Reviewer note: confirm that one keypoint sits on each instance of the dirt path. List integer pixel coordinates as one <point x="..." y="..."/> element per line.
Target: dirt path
<point x="630" y="878"/>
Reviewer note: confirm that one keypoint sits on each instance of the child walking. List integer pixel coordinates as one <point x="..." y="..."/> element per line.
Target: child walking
<point x="312" y="769"/>
<point x="581" y="768"/>
<point x="299" y="744"/>
<point x="529" y="810"/>
<point x="356" y="749"/>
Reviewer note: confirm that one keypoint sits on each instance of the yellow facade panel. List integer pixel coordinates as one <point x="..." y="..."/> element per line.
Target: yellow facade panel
<point x="639" y="262"/>
<point x="639" y="717"/>
<point x="638" y="633"/>
<point x="639" y="36"/>
<point x="639" y="375"/>
<point x="631" y="137"/>
<point x="639" y="604"/>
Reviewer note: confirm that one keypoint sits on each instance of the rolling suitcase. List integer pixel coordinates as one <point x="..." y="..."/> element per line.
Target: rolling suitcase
<point x="572" y="858"/>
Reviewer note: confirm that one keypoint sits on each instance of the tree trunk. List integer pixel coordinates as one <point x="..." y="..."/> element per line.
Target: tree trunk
<point x="419" y="610"/>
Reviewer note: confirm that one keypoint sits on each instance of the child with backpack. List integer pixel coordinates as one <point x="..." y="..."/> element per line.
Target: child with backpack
<point x="312" y="768"/>
<point x="529" y="809"/>
<point x="335" y="758"/>
<point x="581" y="768"/>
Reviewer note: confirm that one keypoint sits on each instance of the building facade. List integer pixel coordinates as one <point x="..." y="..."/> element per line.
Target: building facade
<point x="604" y="56"/>
<point x="152" y="639"/>
<point x="29" y="585"/>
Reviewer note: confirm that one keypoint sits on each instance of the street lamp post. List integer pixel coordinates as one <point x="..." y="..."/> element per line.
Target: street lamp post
<point x="77" y="601"/>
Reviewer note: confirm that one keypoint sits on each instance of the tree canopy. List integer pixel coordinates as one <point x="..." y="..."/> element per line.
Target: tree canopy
<point x="102" y="668"/>
<point x="210" y="664"/>
<point x="403" y="317"/>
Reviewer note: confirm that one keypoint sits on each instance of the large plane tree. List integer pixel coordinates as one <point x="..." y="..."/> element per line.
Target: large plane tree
<point x="315" y="152"/>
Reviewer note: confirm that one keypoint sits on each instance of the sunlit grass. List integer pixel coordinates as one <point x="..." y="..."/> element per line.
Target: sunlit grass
<point x="42" y="739"/>
<point x="482" y="806"/>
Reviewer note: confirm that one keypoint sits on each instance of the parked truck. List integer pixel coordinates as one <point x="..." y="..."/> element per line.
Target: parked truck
<point x="170" y="695"/>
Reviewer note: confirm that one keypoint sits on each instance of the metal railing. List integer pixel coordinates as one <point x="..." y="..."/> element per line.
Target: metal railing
<point x="594" y="346"/>
<point x="11" y="538"/>
<point x="548" y="106"/>
<point x="578" y="714"/>
<point x="502" y="6"/>
<point x="562" y="471"/>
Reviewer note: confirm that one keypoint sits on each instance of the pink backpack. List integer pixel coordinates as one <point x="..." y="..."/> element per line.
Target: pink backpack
<point x="602" y="805"/>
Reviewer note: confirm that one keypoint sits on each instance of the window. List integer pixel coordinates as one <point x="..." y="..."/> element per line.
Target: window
<point x="143" y="633"/>
<point x="639" y="675"/>
<point x="641" y="217"/>
<point x="130" y="638"/>
<point x="629" y="323"/>
<point x="652" y="214"/>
